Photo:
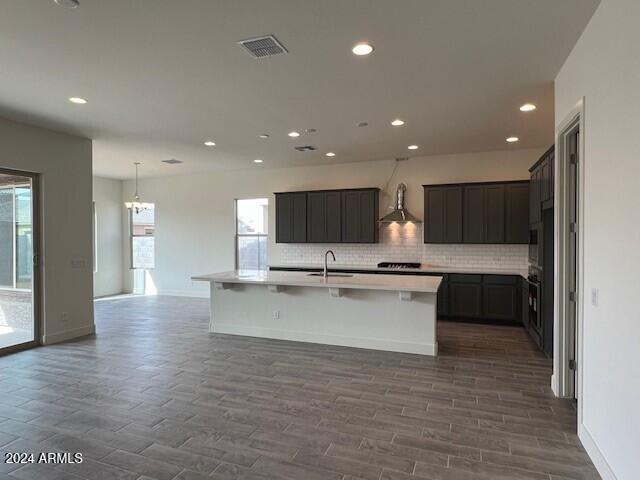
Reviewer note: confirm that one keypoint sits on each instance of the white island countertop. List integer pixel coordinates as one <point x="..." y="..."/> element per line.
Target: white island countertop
<point x="400" y="283"/>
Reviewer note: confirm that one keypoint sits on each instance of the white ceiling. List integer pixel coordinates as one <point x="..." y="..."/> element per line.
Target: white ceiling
<point x="162" y="76"/>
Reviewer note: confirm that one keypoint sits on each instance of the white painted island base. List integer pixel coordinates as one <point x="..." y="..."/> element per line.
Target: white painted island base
<point x="381" y="319"/>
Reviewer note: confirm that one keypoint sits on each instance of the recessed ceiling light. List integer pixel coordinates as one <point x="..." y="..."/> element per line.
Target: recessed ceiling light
<point x="210" y="143"/>
<point x="397" y="122"/>
<point x="512" y="139"/>
<point x="413" y="147"/>
<point x="257" y="160"/>
<point x="264" y="135"/>
<point x="293" y="134"/>
<point x="78" y="100"/>
<point x="330" y="154"/>
<point x="527" y="107"/>
<point x="362" y="48"/>
<point x="68" y="3"/>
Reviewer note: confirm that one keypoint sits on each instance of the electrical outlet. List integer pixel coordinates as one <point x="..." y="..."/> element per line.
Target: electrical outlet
<point x="65" y="317"/>
<point x="276" y="314"/>
<point x="594" y="297"/>
<point x="78" y="263"/>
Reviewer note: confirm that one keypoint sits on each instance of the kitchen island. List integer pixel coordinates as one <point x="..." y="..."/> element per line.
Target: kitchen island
<point x="383" y="312"/>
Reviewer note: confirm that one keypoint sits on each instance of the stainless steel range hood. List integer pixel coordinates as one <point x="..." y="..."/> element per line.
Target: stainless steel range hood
<point x="399" y="213"/>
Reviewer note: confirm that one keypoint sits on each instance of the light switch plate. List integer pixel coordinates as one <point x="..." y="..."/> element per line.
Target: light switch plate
<point x="78" y="263"/>
<point x="594" y="297"/>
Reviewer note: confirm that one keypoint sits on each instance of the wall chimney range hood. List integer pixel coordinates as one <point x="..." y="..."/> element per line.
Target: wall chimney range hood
<point x="399" y="213"/>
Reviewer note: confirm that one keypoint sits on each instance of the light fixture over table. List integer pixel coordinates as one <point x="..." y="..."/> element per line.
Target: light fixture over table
<point x="137" y="206"/>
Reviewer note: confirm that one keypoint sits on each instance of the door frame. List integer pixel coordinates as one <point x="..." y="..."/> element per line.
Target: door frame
<point x="36" y="226"/>
<point x="563" y="381"/>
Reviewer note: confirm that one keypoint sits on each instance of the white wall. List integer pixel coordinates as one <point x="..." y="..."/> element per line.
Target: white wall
<point x="64" y="162"/>
<point x="604" y="68"/>
<point x="195" y="214"/>
<point x="107" y="195"/>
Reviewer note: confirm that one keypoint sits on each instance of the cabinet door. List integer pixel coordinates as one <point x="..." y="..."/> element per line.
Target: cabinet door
<point x="494" y="214"/>
<point x="517" y="213"/>
<point x="545" y="180"/>
<point x="316" y="217"/>
<point x="284" y="212"/>
<point x="500" y="302"/>
<point x="453" y="215"/>
<point x="333" y="206"/>
<point x="368" y="216"/>
<point x="299" y="217"/>
<point x="474" y="214"/>
<point x="552" y="174"/>
<point x="524" y="303"/>
<point x="434" y="215"/>
<point x="443" y="297"/>
<point x="350" y="217"/>
<point x="465" y="299"/>
<point x="535" y="196"/>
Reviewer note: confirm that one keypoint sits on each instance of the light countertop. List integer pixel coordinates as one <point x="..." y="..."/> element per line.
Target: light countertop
<point x="362" y="281"/>
<point x="423" y="269"/>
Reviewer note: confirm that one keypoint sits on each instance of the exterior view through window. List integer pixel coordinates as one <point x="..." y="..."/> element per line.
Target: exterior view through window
<point x="143" y="227"/>
<point x="251" y="233"/>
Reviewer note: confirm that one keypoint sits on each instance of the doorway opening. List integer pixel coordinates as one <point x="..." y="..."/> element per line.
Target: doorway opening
<point x="569" y="260"/>
<point x="19" y="275"/>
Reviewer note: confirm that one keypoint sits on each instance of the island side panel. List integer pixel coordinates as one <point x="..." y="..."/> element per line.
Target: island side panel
<point x="373" y="319"/>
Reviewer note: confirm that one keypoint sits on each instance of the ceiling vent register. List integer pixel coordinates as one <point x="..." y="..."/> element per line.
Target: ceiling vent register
<point x="261" y="47"/>
<point x="306" y="148"/>
<point x="172" y="161"/>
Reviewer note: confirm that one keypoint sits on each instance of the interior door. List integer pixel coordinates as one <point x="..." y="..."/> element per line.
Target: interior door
<point x="18" y="260"/>
<point x="573" y="251"/>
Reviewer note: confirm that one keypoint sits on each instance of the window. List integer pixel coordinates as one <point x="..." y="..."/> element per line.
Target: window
<point x="16" y="237"/>
<point x="251" y="233"/>
<point x="143" y="229"/>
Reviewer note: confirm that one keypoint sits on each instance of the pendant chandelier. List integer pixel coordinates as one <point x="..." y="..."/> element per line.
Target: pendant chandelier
<point x="137" y="206"/>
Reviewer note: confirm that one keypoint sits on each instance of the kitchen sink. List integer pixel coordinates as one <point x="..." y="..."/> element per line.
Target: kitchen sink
<point x="320" y="274"/>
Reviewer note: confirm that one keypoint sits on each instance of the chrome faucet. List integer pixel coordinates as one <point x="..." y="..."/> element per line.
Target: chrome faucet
<point x="326" y="272"/>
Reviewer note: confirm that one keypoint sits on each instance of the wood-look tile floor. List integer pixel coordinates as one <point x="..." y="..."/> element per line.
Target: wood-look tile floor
<point x="153" y="396"/>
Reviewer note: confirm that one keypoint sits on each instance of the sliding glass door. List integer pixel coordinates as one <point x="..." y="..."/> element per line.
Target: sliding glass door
<point x="17" y="254"/>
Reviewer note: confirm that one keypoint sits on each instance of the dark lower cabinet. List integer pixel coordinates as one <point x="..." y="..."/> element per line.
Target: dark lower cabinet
<point x="291" y="218"/>
<point x="481" y="297"/>
<point x="500" y="300"/>
<point x="465" y="295"/>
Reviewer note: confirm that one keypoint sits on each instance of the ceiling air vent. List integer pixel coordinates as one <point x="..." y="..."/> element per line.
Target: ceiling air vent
<point x="172" y="161"/>
<point x="306" y="148"/>
<point x="261" y="47"/>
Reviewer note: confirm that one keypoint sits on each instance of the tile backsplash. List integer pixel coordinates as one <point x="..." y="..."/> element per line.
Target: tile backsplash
<point x="403" y="243"/>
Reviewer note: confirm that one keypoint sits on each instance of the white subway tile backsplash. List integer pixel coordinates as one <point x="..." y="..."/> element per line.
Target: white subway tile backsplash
<point x="403" y="243"/>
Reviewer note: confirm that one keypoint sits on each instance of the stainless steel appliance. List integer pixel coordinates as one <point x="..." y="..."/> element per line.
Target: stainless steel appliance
<point x="399" y="265"/>
<point x="534" y="325"/>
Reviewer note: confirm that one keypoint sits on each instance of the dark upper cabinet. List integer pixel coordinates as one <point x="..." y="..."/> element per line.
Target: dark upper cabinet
<point x="360" y="216"/>
<point x="291" y="217"/>
<point x="500" y="298"/>
<point x="474" y="214"/>
<point x="542" y="185"/>
<point x="488" y="213"/>
<point x="494" y="214"/>
<point x="327" y="216"/>
<point x="324" y="217"/>
<point x="517" y="213"/>
<point x="443" y="214"/>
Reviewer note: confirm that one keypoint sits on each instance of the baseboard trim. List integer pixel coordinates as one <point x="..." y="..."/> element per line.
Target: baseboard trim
<point x="339" y="340"/>
<point x="68" y="334"/>
<point x="598" y="459"/>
